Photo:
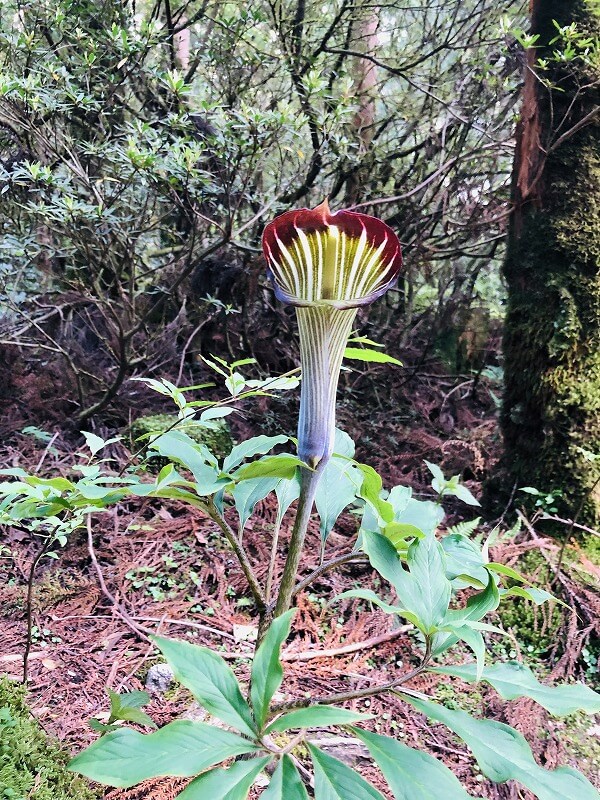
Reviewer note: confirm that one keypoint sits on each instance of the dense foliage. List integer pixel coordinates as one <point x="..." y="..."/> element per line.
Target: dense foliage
<point x="143" y="148"/>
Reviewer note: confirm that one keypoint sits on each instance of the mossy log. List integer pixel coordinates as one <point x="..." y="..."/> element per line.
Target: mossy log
<point x="551" y="412"/>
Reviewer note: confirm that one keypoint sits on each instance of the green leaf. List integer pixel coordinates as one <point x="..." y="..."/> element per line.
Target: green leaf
<point x="182" y="748"/>
<point x="267" y="672"/>
<point x="411" y="774"/>
<point x="371" y="597"/>
<point x="286" y="783"/>
<point x="370" y="491"/>
<point x="513" y="679"/>
<point x="503" y="754"/>
<point x="436" y="472"/>
<point x="135" y="699"/>
<point x="269" y="467"/>
<point x="463" y="557"/>
<point x="94" y="443"/>
<point x="248" y="493"/>
<point x="376" y="356"/>
<point x="337" y="488"/>
<point x="478" y="606"/>
<point x="232" y="783"/>
<point x="423" y="514"/>
<point x="258" y="445"/>
<point x="535" y="595"/>
<point x="316" y="717"/>
<point x="502" y="569"/>
<point x="287" y="490"/>
<point x="430" y="589"/>
<point x="210" y="680"/>
<point x="137" y="716"/>
<point x="474" y="640"/>
<point x="464" y="494"/>
<point x="336" y="781"/>
<point x="179" y="447"/>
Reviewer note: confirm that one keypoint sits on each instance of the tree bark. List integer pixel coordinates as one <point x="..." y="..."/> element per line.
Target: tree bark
<point x="552" y="334"/>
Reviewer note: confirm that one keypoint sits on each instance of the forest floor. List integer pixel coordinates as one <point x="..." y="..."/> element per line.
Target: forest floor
<point x="154" y="566"/>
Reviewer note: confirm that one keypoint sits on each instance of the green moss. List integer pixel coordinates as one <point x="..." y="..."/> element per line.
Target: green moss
<point x="582" y="749"/>
<point x="217" y="438"/>
<point x="534" y="627"/>
<point x="31" y="764"/>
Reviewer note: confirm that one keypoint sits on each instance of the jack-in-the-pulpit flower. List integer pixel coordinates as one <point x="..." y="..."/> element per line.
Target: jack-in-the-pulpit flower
<point x="327" y="265"/>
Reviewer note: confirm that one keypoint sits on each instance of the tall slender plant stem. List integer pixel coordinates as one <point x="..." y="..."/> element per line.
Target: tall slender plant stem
<point x="310" y="481"/>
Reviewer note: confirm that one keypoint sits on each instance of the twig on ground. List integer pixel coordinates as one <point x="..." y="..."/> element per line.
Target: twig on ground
<point x="140" y="631"/>
<point x="355" y="647"/>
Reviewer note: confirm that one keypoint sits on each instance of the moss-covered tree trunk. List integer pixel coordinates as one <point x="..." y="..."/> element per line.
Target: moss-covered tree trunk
<point x="552" y="334"/>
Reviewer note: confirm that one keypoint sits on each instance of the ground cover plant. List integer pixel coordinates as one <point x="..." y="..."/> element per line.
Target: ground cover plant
<point x="442" y="586"/>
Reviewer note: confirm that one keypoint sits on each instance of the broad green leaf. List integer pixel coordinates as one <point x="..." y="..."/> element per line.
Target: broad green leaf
<point x="267" y="672"/>
<point x="431" y="590"/>
<point x="478" y="606"/>
<point x="535" y="595"/>
<point x="423" y="514"/>
<point x="503" y="754"/>
<point x="135" y="699"/>
<point x="258" y="445"/>
<point x="509" y="572"/>
<point x="248" y="493"/>
<point x="358" y="354"/>
<point x="210" y="680"/>
<point x="399" y="498"/>
<point x="316" y="717"/>
<point x="399" y="532"/>
<point x="286" y="783"/>
<point x="180" y="447"/>
<point x="214" y="413"/>
<point x="411" y="774"/>
<point x="474" y="640"/>
<point x="94" y="443"/>
<point x="464" y="494"/>
<point x="287" y="490"/>
<point x="127" y="707"/>
<point x="370" y="491"/>
<point x="371" y="597"/>
<point x="336" y="781"/>
<point x="513" y="679"/>
<point x="269" y="467"/>
<point x="463" y="557"/>
<point x="182" y="748"/>
<point x="436" y="471"/>
<point x="231" y="783"/>
<point x="424" y="591"/>
<point x="383" y="557"/>
<point x="338" y="487"/>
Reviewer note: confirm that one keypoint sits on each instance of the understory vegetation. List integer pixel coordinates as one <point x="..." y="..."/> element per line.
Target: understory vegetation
<point x="299" y="457"/>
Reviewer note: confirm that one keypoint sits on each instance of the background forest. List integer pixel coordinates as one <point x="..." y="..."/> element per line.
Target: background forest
<point x="143" y="148"/>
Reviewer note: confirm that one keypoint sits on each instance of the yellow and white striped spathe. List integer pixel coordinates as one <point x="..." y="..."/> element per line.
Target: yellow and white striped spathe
<point x="343" y="260"/>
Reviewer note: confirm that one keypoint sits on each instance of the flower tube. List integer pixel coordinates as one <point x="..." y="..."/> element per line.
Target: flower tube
<point x="327" y="265"/>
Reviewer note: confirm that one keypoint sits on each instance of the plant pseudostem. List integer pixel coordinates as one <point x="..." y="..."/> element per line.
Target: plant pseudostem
<point x="310" y="481"/>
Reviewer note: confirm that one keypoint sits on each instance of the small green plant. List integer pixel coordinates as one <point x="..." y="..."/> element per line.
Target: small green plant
<point x="443" y="585"/>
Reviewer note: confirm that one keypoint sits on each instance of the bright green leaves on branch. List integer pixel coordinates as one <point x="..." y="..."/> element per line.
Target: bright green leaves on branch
<point x="182" y="748"/>
<point x="226" y="783"/>
<point x="267" y="672"/>
<point x="411" y="774"/>
<point x="211" y="681"/>
<point x="503" y="754"/>
<point x="513" y="679"/>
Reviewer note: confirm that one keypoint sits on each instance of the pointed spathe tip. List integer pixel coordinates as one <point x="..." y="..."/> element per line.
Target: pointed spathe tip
<point x="323" y="210"/>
